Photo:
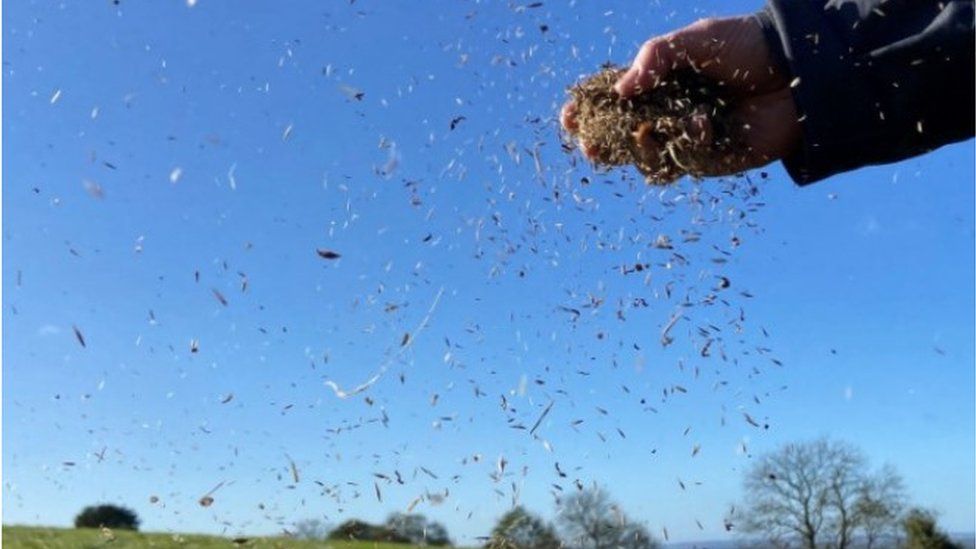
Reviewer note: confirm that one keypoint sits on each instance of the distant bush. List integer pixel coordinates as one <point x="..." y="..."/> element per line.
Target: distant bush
<point x="922" y="532"/>
<point x="109" y="516"/>
<point x="354" y="529"/>
<point x="399" y="528"/>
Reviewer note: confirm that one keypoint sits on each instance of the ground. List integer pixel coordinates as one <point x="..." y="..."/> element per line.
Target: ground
<point x="27" y="537"/>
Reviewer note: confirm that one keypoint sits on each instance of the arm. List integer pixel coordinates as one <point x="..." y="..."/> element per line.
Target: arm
<point x="879" y="81"/>
<point x="828" y="85"/>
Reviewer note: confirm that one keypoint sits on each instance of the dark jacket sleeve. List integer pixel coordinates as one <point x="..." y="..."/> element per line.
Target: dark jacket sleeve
<point x="874" y="81"/>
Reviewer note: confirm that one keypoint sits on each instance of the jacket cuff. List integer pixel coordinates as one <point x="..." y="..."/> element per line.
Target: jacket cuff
<point x="837" y="113"/>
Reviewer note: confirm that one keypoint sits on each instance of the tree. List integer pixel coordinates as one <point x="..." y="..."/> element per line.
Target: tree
<point x="108" y="516"/>
<point x="819" y="493"/>
<point x="590" y="520"/>
<point x="310" y="529"/>
<point x="416" y="529"/>
<point x="520" y="529"/>
<point x="921" y="532"/>
<point x="879" y="507"/>
<point x="359" y="530"/>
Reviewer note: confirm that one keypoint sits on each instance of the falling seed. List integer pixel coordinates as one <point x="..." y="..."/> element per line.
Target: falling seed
<point x="327" y="254"/>
<point x="219" y="296"/>
<point x="294" y="469"/>
<point x="78" y="336"/>
<point x="541" y="417"/>
<point x="352" y="93"/>
<point x="663" y="242"/>
<point x="194" y="345"/>
<point x="414" y="503"/>
<point x="93" y="189"/>
<point x="207" y="499"/>
<point x="666" y="339"/>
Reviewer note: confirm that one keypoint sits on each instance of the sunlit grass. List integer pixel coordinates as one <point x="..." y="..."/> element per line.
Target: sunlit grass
<point x="28" y="537"/>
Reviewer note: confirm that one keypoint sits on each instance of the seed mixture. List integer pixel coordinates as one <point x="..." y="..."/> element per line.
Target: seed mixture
<point x="615" y="126"/>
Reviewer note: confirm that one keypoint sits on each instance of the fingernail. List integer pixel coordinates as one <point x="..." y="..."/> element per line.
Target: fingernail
<point x="619" y="86"/>
<point x="591" y="152"/>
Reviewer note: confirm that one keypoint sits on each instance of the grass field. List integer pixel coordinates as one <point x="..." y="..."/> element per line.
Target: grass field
<point x="24" y="537"/>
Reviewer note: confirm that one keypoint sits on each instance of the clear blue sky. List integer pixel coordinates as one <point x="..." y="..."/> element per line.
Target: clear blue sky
<point x="145" y="142"/>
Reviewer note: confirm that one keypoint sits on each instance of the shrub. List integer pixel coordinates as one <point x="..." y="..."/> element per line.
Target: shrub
<point x="109" y="516"/>
<point x="354" y="529"/>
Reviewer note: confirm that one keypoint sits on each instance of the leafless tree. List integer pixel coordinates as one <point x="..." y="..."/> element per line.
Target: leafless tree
<point x="819" y="494"/>
<point x="590" y="520"/>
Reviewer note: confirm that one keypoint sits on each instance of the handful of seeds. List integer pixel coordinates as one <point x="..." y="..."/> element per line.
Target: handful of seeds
<point x="616" y="127"/>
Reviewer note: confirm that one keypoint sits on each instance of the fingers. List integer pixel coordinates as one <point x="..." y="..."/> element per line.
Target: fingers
<point x="651" y="65"/>
<point x="567" y="117"/>
<point x="648" y="147"/>
<point x="768" y="126"/>
<point x="694" y="45"/>
<point x="698" y="130"/>
<point x="591" y="152"/>
<point x="723" y="49"/>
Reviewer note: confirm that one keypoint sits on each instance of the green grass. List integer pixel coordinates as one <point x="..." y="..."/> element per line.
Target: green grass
<point x="30" y="537"/>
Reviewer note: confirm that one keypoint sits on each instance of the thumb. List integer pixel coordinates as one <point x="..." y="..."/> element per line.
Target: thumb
<point x="691" y="47"/>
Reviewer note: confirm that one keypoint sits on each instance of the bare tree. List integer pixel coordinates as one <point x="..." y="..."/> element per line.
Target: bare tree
<point x="819" y="494"/>
<point x="591" y="520"/>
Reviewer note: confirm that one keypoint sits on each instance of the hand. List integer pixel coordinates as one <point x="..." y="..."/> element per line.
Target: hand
<point x="732" y="52"/>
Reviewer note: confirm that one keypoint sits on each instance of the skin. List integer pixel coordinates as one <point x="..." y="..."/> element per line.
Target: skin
<point x="734" y="52"/>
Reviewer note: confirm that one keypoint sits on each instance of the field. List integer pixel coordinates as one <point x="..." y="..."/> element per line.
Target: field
<point x="27" y="537"/>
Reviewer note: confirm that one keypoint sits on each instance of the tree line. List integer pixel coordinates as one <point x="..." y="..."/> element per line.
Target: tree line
<point x="820" y="494"/>
<point x="811" y="495"/>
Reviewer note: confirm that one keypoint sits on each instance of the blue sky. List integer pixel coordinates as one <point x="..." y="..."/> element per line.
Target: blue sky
<point x="146" y="143"/>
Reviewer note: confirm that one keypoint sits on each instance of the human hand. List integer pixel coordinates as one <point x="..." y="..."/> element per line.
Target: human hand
<point x="734" y="54"/>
